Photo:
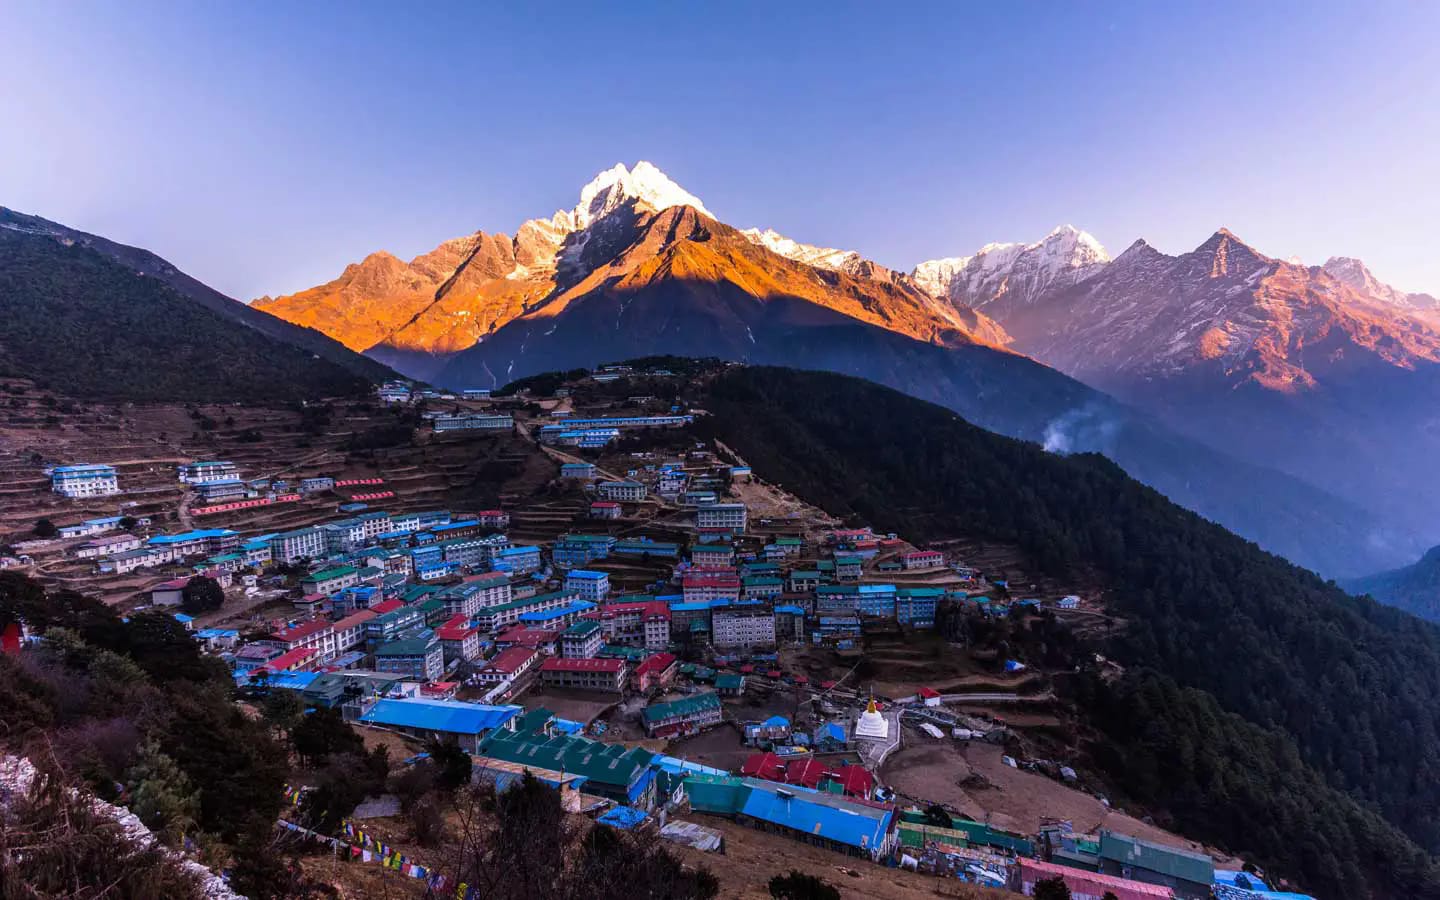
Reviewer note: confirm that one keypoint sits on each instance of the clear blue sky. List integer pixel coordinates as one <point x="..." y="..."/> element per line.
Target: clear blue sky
<point x="261" y="146"/>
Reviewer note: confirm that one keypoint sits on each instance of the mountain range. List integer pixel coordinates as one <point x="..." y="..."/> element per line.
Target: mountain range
<point x="640" y="266"/>
<point x="1323" y="372"/>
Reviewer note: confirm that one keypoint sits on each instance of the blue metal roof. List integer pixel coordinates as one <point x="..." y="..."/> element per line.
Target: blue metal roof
<point x="453" y="716"/>
<point x="586" y="575"/>
<point x="295" y="681"/>
<point x="187" y="536"/>
<point x="836" y="820"/>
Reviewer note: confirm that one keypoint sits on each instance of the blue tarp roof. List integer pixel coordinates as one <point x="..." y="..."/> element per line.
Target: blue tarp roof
<point x="454" y="716"/>
<point x="832" y="730"/>
<point x="210" y="633"/>
<point x="777" y="722"/>
<point x="622" y="817"/>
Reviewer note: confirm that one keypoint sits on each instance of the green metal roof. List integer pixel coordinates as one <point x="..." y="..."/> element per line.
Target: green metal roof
<point x="685" y="706"/>
<point x="410" y="647"/>
<point x="1182" y="864"/>
<point x="327" y="574"/>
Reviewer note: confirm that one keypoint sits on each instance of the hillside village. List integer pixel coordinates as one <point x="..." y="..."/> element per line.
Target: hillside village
<point x="570" y="581"/>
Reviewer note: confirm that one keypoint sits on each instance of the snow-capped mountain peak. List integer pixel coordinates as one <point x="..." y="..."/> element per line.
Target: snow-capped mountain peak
<point x="1352" y="272"/>
<point x="809" y="254"/>
<point x="615" y="186"/>
<point x="1016" y="272"/>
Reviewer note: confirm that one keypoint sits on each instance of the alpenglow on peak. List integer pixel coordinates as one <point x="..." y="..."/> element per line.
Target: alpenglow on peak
<point x="616" y="185"/>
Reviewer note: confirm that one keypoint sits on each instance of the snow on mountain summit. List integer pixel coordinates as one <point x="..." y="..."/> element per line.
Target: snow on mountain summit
<point x="1014" y="274"/>
<point x="809" y="254"/>
<point x="615" y="186"/>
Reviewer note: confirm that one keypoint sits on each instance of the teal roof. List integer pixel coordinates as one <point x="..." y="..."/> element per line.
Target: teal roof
<point x="685" y="706"/>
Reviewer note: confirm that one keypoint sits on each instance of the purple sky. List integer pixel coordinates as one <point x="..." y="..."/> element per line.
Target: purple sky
<point x="263" y="146"/>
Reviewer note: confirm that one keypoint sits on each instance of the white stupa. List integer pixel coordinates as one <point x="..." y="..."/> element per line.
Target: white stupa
<point x="871" y="724"/>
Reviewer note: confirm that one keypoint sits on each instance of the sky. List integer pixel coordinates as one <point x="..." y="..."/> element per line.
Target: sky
<point x="263" y="146"/>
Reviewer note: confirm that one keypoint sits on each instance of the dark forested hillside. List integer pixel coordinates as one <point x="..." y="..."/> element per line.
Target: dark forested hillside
<point x="80" y="323"/>
<point x="1322" y="703"/>
<point x="146" y="263"/>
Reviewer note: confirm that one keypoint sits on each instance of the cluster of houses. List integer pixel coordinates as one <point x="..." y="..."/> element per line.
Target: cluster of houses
<point x="397" y="615"/>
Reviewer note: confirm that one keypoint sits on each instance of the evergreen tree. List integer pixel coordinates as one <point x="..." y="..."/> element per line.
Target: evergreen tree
<point x="161" y="794"/>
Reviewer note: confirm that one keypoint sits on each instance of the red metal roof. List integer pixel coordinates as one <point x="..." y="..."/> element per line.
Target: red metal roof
<point x="292" y="660"/>
<point x="355" y="618"/>
<point x="387" y="606"/>
<point x="556" y="664"/>
<point x="510" y="661"/>
<point x="805" y="772"/>
<point x="456" y="629"/>
<point x="300" y="632"/>
<point x="928" y="693"/>
<point x="764" y="765"/>
<point x="657" y="663"/>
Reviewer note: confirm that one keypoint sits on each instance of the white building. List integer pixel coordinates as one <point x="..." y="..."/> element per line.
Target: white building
<point x="302" y="543"/>
<point x="204" y="472"/>
<point x="721" y="516"/>
<point x="591" y="586"/>
<point x="622" y="491"/>
<point x="317" y="635"/>
<point x="503" y="422"/>
<point x="743" y="625"/>
<point x="84" y="480"/>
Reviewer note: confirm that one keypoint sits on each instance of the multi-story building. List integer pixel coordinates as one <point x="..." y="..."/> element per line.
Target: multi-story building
<point x="605" y="509"/>
<point x="317" y="484"/>
<point x="494" y="618"/>
<point x="106" y="546"/>
<point x="582" y="640"/>
<point x="517" y="560"/>
<point x="863" y="599"/>
<point x="656" y="671"/>
<point x="205" y="472"/>
<point x="688" y="715"/>
<point x="721" y="517"/>
<point x="712" y="555"/>
<point x="743" y="625"/>
<point x="208" y="541"/>
<point x="88" y="480"/>
<point x="418" y="658"/>
<point x="130" y="560"/>
<point x="476" y="422"/>
<point x="582" y="470"/>
<point x="459" y="639"/>
<point x="584" y="674"/>
<point x="219" y="490"/>
<point x="350" y="631"/>
<point x="622" y="491"/>
<point x="802" y="581"/>
<point x="762" y="587"/>
<point x="302" y="543"/>
<point x="509" y="664"/>
<point x="637" y="623"/>
<point x="477" y="593"/>
<point x="701" y="586"/>
<point x="916" y="606"/>
<point x="590" y="585"/>
<point x="330" y="581"/>
<point x="318" y="635"/>
<point x="394" y="623"/>
<point x="789" y="623"/>
<point x="573" y="550"/>
<point x="923" y="559"/>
